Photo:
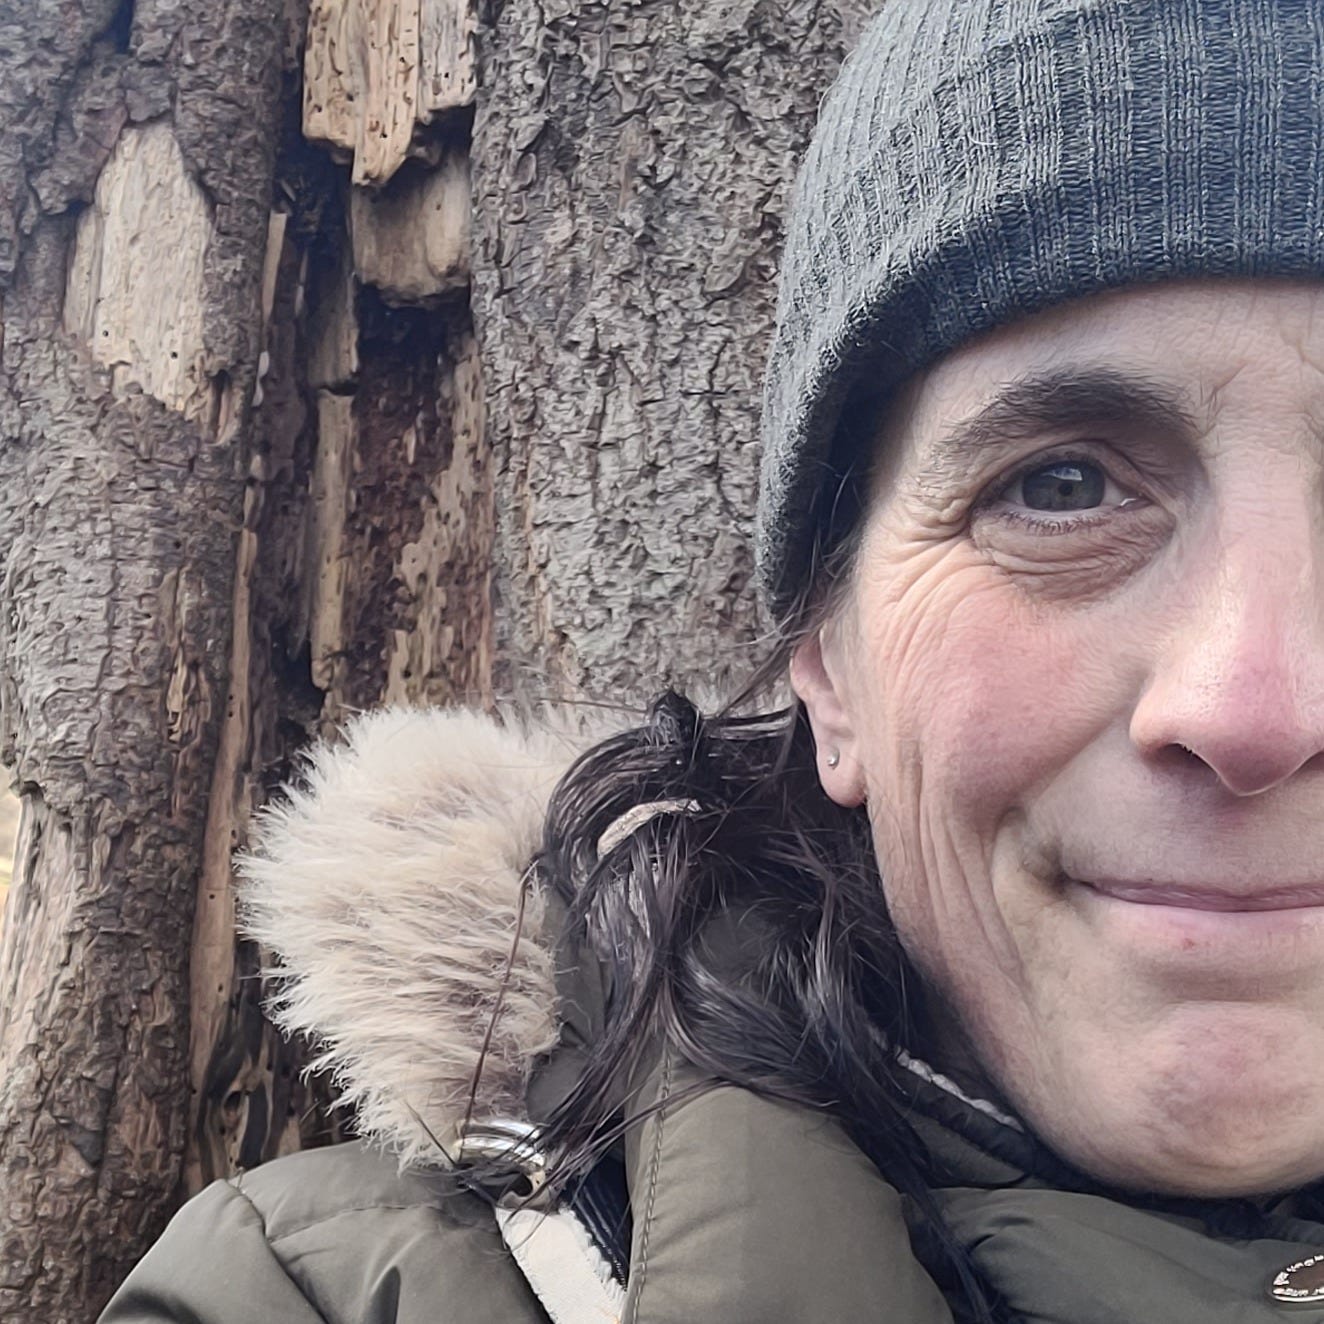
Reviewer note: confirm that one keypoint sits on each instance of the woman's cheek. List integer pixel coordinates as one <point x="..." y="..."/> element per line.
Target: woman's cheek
<point x="983" y="693"/>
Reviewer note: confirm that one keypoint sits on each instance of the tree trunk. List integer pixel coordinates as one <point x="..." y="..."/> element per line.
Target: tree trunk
<point x="632" y="164"/>
<point x="133" y="222"/>
<point x="264" y="462"/>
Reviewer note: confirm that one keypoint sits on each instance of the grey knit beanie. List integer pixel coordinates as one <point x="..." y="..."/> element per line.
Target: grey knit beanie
<point x="980" y="159"/>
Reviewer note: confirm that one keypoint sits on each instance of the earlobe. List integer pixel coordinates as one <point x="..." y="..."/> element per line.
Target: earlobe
<point x="818" y="689"/>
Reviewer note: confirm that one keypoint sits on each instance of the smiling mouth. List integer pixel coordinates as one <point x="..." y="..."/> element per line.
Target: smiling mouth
<point x="1206" y="898"/>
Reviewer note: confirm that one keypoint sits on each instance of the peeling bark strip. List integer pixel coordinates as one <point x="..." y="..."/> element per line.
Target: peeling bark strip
<point x="631" y="166"/>
<point x="130" y="271"/>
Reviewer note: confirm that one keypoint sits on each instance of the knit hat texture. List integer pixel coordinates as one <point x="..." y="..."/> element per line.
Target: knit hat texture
<point x="977" y="160"/>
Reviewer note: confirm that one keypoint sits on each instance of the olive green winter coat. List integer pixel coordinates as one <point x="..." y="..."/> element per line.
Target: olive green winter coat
<point x="390" y="887"/>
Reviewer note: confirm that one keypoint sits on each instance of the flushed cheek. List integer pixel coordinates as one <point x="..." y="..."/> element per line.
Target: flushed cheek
<point x="980" y="694"/>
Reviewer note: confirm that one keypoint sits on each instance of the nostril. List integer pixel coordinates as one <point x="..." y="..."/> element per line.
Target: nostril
<point x="1177" y="755"/>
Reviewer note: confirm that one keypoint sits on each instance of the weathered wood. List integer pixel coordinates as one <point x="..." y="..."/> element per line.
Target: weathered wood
<point x="411" y="238"/>
<point x="400" y="537"/>
<point x="333" y="354"/>
<point x="250" y="1103"/>
<point x="328" y="558"/>
<point x="376" y="70"/>
<point x="389" y="93"/>
<point x="211" y="951"/>
<point x="371" y="581"/>
<point x="448" y="76"/>
<point x="333" y="76"/>
<point x="218" y="1140"/>
<point x="631" y="166"/>
<point x="147" y="229"/>
<point x="445" y="654"/>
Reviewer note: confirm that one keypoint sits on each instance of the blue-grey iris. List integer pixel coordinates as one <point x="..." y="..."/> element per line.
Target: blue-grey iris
<point x="1065" y="485"/>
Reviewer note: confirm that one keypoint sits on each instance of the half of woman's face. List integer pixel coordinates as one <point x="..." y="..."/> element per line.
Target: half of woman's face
<point x="1079" y="681"/>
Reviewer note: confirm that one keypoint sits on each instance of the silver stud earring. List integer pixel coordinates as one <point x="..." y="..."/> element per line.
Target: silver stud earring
<point x="834" y="758"/>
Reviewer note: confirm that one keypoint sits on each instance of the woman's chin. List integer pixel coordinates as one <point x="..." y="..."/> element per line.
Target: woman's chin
<point x="1181" y="1165"/>
<point x="1219" y="1102"/>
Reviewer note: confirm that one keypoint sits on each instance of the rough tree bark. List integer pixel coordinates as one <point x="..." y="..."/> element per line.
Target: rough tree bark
<point x="136" y="157"/>
<point x="265" y="461"/>
<point x="632" y="163"/>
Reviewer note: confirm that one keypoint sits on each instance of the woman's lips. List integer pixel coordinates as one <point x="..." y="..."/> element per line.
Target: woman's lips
<point x="1219" y="942"/>
<point x="1186" y="897"/>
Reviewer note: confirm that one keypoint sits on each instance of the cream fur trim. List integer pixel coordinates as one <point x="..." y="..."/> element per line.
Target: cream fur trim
<point x="386" y="882"/>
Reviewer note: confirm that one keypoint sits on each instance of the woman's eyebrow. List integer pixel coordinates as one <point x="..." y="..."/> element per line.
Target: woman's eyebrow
<point x="1062" y="399"/>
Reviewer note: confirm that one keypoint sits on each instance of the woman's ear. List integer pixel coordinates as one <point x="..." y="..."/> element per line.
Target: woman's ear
<point x="814" y="678"/>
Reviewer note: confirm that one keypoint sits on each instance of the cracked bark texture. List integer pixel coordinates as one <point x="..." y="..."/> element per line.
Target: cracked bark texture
<point x="351" y="352"/>
<point x="123" y="439"/>
<point x="632" y="163"/>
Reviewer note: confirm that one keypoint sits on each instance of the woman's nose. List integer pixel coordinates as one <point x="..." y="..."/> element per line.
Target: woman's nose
<point x="1239" y="679"/>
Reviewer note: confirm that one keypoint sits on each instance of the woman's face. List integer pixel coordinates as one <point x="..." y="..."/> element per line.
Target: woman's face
<point x="1079" y="680"/>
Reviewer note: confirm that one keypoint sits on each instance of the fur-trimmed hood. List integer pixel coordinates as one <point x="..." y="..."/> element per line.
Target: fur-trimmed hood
<point x="390" y="883"/>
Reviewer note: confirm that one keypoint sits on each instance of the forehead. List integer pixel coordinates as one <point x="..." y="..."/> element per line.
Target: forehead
<point x="1177" y="358"/>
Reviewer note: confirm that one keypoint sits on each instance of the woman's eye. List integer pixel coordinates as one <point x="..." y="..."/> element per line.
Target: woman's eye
<point x="1063" y="485"/>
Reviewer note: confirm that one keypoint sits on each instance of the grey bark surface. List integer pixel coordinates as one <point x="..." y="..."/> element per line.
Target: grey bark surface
<point x="317" y="393"/>
<point x="120" y="496"/>
<point x="632" y="163"/>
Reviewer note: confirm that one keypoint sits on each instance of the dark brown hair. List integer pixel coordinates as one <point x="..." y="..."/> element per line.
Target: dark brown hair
<point x="814" y="996"/>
